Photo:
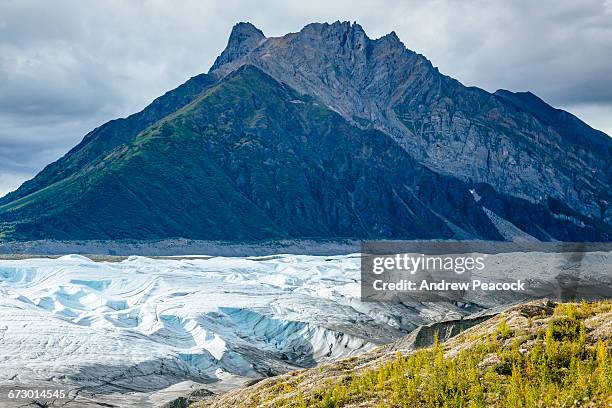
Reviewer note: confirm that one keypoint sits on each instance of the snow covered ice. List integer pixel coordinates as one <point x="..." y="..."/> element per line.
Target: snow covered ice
<point x="142" y="325"/>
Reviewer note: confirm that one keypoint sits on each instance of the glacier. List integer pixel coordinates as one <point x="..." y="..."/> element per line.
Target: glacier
<point x="140" y="331"/>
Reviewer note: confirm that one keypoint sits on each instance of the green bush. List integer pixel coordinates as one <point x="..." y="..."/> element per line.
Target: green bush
<point x="502" y="328"/>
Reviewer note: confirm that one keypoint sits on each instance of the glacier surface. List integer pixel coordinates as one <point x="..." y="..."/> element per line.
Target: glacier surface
<point x="142" y="325"/>
<point x="128" y="332"/>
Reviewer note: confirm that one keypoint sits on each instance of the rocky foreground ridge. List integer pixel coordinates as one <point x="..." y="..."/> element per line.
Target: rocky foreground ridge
<point x="540" y="354"/>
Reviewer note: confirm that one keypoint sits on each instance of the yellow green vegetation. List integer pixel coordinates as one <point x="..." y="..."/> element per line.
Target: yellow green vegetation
<point x="527" y="357"/>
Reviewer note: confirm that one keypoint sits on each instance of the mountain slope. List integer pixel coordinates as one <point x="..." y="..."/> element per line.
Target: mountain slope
<point x="105" y="138"/>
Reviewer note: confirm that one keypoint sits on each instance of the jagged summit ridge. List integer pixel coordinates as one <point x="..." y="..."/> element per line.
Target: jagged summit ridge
<point x="345" y="29"/>
<point x="338" y="64"/>
<point x="245" y="37"/>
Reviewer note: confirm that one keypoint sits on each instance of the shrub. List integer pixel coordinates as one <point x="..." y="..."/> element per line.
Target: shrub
<point x="503" y="330"/>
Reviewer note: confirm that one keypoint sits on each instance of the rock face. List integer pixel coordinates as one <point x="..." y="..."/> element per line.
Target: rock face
<point x="325" y="133"/>
<point x="245" y="37"/>
<point x="514" y="142"/>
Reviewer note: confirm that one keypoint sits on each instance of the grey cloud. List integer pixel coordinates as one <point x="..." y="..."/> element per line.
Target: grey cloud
<point x="68" y="66"/>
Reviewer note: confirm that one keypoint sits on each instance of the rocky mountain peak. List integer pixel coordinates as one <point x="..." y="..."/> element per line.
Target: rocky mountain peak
<point x="391" y="38"/>
<point x="341" y="43"/>
<point x="337" y="63"/>
<point x="243" y="39"/>
<point x="381" y="84"/>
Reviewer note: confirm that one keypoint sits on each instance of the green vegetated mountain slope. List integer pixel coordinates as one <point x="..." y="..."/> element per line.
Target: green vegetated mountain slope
<point x="538" y="354"/>
<point x="105" y="138"/>
<point x="251" y="159"/>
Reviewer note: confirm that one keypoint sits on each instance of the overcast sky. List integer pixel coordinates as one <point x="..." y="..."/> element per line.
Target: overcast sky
<point x="69" y="66"/>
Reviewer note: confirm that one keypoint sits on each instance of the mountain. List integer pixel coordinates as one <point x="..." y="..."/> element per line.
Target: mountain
<point x="325" y="133"/>
<point x="518" y="144"/>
